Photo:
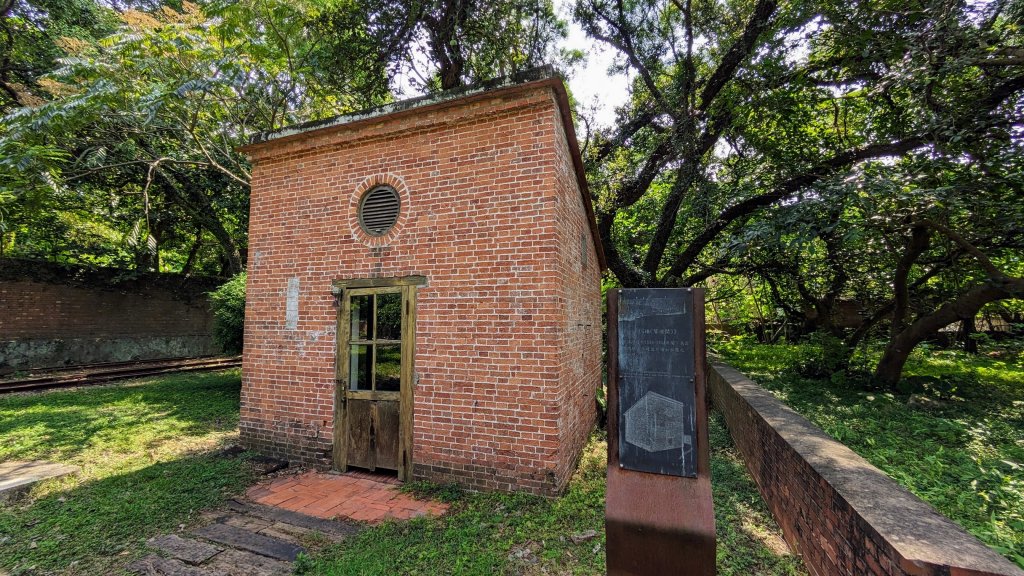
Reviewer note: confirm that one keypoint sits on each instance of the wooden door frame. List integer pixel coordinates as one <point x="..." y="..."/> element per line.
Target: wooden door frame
<point x="343" y="290"/>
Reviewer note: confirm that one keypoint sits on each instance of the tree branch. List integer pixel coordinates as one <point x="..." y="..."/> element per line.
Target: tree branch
<point x="786" y="189"/>
<point x="760" y="20"/>
<point x="986" y="264"/>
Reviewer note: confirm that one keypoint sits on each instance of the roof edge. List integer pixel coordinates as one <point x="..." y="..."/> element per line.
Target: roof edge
<point x="539" y="73"/>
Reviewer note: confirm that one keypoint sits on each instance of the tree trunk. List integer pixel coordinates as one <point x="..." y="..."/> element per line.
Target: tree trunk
<point x="967" y="305"/>
<point x="195" y="202"/>
<point x="966" y="335"/>
<point x="917" y="244"/>
<point x="193" y="253"/>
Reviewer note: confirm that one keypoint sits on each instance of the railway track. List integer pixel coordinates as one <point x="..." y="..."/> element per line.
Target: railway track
<point x="100" y="373"/>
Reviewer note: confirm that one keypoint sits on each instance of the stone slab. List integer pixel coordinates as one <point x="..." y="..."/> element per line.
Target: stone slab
<point x="332" y="528"/>
<point x="154" y="565"/>
<point x="245" y="540"/>
<point x="18" y="476"/>
<point x="240" y="563"/>
<point x="191" y="551"/>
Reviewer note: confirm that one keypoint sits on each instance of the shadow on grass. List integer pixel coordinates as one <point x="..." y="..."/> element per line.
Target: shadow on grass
<point x="99" y="526"/>
<point x="749" y="540"/>
<point x="63" y="423"/>
<point x="144" y="451"/>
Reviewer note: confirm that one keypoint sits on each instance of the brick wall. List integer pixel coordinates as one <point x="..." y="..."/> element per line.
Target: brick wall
<point x="580" y="302"/>
<point x="505" y="374"/>
<point x="843" y="515"/>
<point x="52" y="315"/>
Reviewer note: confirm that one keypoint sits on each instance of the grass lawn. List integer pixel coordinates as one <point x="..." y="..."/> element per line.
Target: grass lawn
<point x="145" y="453"/>
<point x="486" y="534"/>
<point x="145" y="450"/>
<point x="958" y="445"/>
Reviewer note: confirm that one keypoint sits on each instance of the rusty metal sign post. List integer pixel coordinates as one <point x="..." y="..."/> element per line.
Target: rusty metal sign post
<point x="658" y="513"/>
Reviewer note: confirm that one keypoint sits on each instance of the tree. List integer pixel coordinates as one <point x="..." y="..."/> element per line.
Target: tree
<point x="150" y="117"/>
<point x="34" y="33"/>
<point x="137" y="133"/>
<point x="443" y="44"/>
<point x="747" y="118"/>
<point x="738" y="107"/>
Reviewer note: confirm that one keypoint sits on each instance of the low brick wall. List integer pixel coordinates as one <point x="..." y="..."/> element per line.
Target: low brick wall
<point x="843" y="515"/>
<point x="53" y="315"/>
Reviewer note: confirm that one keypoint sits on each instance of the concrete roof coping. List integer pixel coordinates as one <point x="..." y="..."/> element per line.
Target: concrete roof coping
<point x="546" y="72"/>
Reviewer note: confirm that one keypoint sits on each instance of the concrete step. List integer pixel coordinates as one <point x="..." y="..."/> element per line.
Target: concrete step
<point x="18" y="476"/>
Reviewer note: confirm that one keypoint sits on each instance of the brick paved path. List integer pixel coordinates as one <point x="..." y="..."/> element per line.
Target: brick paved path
<point x="354" y="496"/>
<point x="263" y="537"/>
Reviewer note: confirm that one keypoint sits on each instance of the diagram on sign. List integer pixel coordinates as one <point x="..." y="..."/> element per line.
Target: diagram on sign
<point x="657" y="423"/>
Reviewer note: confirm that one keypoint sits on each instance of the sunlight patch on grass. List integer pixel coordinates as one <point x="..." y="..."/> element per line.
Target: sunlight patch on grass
<point x="144" y="452"/>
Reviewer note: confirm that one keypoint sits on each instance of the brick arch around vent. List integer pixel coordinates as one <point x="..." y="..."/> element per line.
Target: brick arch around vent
<point x="404" y="210"/>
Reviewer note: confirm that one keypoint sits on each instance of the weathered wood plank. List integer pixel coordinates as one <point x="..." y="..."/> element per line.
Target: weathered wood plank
<point x="359" y="451"/>
<point x="387" y="434"/>
<point x="379" y="282"/>
<point x="240" y="563"/>
<point x="245" y="540"/>
<point x="405" y="450"/>
<point x="341" y="363"/>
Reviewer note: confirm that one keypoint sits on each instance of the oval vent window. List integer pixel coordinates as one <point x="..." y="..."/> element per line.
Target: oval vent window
<point x="378" y="210"/>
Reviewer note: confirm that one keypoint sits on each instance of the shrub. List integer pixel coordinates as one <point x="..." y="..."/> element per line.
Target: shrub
<point x="824" y="356"/>
<point x="228" y="303"/>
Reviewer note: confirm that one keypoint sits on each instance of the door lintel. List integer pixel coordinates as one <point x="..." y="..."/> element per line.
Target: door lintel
<point x="345" y="283"/>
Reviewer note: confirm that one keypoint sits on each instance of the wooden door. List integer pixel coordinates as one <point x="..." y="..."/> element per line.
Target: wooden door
<point x="373" y="407"/>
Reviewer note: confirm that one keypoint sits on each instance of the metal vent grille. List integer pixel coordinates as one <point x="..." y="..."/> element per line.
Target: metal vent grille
<point x="378" y="210"/>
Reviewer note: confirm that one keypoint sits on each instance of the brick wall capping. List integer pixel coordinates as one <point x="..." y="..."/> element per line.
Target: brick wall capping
<point x="923" y="540"/>
<point x="540" y="77"/>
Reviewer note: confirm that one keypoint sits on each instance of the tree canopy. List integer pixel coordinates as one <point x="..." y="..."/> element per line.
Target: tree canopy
<point x="813" y="154"/>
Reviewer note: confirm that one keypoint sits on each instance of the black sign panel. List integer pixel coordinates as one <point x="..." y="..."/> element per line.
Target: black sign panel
<point x="657" y="402"/>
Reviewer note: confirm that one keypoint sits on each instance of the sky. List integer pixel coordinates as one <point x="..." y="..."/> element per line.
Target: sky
<point x="590" y="83"/>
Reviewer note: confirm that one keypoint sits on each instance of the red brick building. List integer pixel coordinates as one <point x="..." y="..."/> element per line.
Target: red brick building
<point x="424" y="290"/>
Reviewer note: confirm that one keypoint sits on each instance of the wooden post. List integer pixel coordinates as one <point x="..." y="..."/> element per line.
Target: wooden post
<point x="658" y="514"/>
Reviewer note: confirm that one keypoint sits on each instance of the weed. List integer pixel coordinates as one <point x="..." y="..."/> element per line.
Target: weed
<point x="430" y="490"/>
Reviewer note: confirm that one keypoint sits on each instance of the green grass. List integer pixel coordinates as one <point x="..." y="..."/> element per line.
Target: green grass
<point x="144" y="449"/>
<point x="147" y="468"/>
<point x="486" y="534"/>
<point x="958" y="445"/>
<point x="749" y="540"/>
